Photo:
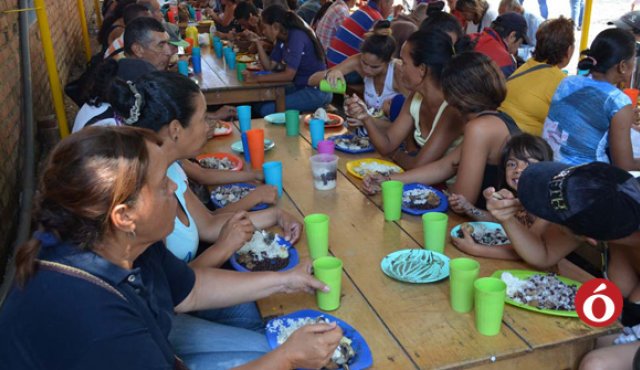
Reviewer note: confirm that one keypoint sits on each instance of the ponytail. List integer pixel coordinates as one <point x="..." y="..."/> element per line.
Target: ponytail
<point x="608" y="49"/>
<point x="290" y="20"/>
<point x="26" y="261"/>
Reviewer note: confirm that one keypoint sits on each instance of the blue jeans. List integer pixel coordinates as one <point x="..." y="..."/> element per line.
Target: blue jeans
<point x="304" y="99"/>
<point x="544" y="11"/>
<point x="577" y="11"/>
<point x="220" y="338"/>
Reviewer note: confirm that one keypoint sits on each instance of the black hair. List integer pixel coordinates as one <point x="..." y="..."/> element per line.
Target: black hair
<point x="104" y="75"/>
<point x="138" y="32"/>
<point x="434" y="49"/>
<point x="166" y="96"/>
<point x="609" y="48"/>
<point x="107" y="24"/>
<point x="134" y="11"/>
<point x="443" y="21"/>
<point x="244" y="10"/>
<point x="379" y="41"/>
<point x="524" y="146"/>
<point x="290" y="20"/>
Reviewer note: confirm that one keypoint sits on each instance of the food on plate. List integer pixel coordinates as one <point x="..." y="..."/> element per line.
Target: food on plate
<point x="244" y="58"/>
<point x="217" y="128"/>
<point x="263" y="253"/>
<point x="422" y="199"/>
<point x="341" y="357"/>
<point x="544" y="291"/>
<point x="217" y="163"/>
<point x="353" y="142"/>
<point x="366" y="168"/>
<point x="484" y="235"/>
<point x="230" y="194"/>
<point x="418" y="266"/>
<point x="322" y="114"/>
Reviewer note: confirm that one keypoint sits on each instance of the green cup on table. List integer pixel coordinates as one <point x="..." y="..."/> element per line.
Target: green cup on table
<point x="329" y="271"/>
<point x="434" y="227"/>
<point x="239" y="68"/>
<point x="392" y="199"/>
<point x="462" y="274"/>
<point x="490" y="293"/>
<point x="292" y="122"/>
<point x="317" y="228"/>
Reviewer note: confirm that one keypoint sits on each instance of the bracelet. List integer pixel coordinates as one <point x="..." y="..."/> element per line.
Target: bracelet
<point x="326" y="73"/>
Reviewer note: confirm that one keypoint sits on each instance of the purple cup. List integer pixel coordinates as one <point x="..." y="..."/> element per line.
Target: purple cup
<point x="326" y="147"/>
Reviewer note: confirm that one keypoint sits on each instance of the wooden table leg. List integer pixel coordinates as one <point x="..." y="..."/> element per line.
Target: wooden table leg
<point x="280" y="100"/>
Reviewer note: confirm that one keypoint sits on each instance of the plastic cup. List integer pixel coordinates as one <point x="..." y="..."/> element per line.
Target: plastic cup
<point x="317" y="228"/>
<point x="292" y="122"/>
<point x="339" y="88"/>
<point x="244" y="117"/>
<point x="633" y="95"/>
<point x="232" y="60"/>
<point x="316" y="126"/>
<point x="218" y="49"/>
<point x="324" y="168"/>
<point x="434" y="227"/>
<point x="273" y="175"/>
<point x="392" y="199"/>
<point x="239" y="68"/>
<point x="245" y="147"/>
<point x="196" y="62"/>
<point x="326" y="147"/>
<point x="255" y="139"/>
<point x="463" y="273"/>
<point x="183" y="67"/>
<point x="195" y="51"/>
<point x="188" y="48"/>
<point x="489" y="300"/>
<point x="329" y="271"/>
<point x="198" y="15"/>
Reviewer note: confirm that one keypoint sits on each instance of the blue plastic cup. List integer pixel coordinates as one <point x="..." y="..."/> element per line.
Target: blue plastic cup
<point x="244" y="117"/>
<point x="245" y="147"/>
<point x="218" y="49"/>
<point x="273" y="175"/>
<point x="197" y="63"/>
<point x="316" y="126"/>
<point x="183" y="67"/>
<point x="232" y="60"/>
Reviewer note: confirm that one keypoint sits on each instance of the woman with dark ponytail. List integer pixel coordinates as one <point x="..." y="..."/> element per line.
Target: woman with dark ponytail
<point x="431" y="124"/>
<point x="590" y="118"/>
<point x="95" y="289"/>
<point x="297" y="54"/>
<point x="376" y="65"/>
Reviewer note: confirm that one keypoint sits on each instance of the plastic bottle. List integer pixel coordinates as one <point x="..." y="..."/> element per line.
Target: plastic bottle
<point x="192" y="32"/>
<point x="212" y="32"/>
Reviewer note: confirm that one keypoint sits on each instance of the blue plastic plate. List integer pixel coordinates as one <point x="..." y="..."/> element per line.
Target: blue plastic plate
<point x="444" y="203"/>
<point x="275" y="118"/>
<point x="294" y="259"/>
<point x="217" y="203"/>
<point x="350" y="151"/>
<point x="237" y="146"/>
<point x="416" y="266"/>
<point x="362" y="359"/>
<point x="489" y="226"/>
<point x="262" y="73"/>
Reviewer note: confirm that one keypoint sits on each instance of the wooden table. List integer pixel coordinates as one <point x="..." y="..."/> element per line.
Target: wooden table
<point x="408" y="325"/>
<point x="220" y="85"/>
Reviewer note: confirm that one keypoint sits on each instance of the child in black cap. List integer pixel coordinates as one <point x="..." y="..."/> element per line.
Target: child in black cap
<point x="594" y="201"/>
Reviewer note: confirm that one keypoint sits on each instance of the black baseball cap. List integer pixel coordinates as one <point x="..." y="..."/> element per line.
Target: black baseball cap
<point x="629" y="21"/>
<point x="512" y="21"/>
<point x="596" y="200"/>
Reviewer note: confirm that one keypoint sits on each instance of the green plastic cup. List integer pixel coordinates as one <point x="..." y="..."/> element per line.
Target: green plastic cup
<point x="317" y="229"/>
<point x="339" y="88"/>
<point x="392" y="199"/>
<point x="462" y="274"/>
<point x="239" y="68"/>
<point x="329" y="271"/>
<point x="434" y="227"/>
<point x="489" y="299"/>
<point x="292" y="122"/>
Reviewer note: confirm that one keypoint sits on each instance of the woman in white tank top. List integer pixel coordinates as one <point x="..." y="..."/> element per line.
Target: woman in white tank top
<point x="376" y="66"/>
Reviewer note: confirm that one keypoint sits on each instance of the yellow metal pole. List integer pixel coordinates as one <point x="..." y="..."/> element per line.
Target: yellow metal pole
<point x="50" y="60"/>
<point x="586" y="23"/>
<point x="98" y="10"/>
<point x="85" y="30"/>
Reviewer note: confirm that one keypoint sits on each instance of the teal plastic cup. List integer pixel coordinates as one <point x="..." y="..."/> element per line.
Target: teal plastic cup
<point x="490" y="293"/>
<point x="329" y="271"/>
<point x="292" y="122"/>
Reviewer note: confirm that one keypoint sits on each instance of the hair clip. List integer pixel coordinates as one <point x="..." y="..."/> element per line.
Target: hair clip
<point x="134" y="112"/>
<point x="595" y="62"/>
